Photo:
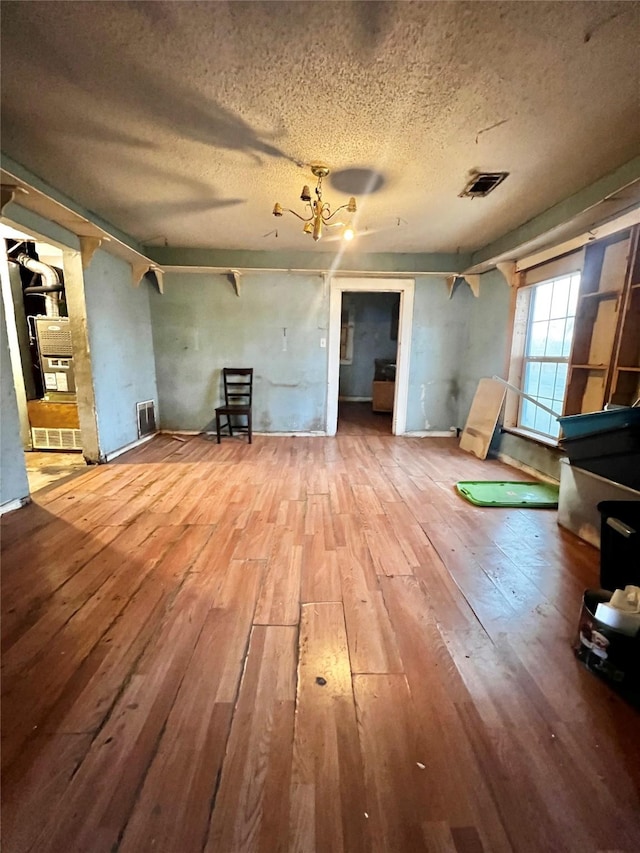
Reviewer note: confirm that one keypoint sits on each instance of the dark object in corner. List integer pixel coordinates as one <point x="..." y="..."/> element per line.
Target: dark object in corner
<point x="238" y="394"/>
<point x="619" y="544"/>
<point x="608" y="653"/>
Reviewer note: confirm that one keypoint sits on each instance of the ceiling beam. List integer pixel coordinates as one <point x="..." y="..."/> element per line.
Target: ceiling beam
<point x="513" y="244"/>
<point x="65" y="211"/>
<point x="382" y="262"/>
<point x="39" y="227"/>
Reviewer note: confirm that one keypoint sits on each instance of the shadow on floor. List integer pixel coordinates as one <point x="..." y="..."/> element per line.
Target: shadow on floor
<point x="47" y="467"/>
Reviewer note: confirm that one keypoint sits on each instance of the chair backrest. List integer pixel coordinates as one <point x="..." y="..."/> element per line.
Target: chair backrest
<point x="238" y="386"/>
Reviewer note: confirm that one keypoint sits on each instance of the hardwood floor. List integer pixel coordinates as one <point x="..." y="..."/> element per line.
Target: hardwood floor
<point x="359" y="419"/>
<point x="45" y="467"/>
<point x="303" y="644"/>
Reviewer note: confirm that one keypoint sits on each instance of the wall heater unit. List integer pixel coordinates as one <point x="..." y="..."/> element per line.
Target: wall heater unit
<point x="146" y="414"/>
<point x="56" y="354"/>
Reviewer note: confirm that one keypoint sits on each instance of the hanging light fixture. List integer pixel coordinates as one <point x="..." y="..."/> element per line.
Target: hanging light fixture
<point x="319" y="211"/>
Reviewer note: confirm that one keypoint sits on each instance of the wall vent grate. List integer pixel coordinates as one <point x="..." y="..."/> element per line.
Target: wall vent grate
<point x="146" y="415"/>
<point x="45" y="438"/>
<point x="483" y="183"/>
<point x="54" y="336"/>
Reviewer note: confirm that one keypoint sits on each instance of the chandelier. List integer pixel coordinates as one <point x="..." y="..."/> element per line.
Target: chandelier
<point x="319" y="211"/>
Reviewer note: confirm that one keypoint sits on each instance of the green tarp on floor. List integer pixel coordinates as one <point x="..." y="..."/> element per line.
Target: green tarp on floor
<point x="502" y="493"/>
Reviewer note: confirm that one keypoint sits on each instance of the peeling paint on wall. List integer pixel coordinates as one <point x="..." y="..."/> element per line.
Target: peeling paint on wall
<point x="423" y="394"/>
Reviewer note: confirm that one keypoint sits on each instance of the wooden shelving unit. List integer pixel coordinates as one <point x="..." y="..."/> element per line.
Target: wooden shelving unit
<point x="604" y="365"/>
<point x="626" y="375"/>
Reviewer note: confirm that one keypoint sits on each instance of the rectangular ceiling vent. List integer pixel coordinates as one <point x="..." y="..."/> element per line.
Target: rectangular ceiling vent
<point x="146" y="413"/>
<point x="482" y="183"/>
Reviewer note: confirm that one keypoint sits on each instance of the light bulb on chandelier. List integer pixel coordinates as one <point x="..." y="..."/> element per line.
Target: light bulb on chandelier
<point x="319" y="211"/>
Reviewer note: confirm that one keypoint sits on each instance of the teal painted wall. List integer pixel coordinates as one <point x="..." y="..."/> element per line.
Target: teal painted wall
<point x="485" y="343"/>
<point x="438" y="329"/>
<point x="541" y="458"/>
<point x="13" y="482"/>
<point x="122" y="358"/>
<point x="201" y="326"/>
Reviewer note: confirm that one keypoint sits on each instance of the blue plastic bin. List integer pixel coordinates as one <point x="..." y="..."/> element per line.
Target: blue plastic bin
<point x="574" y="426"/>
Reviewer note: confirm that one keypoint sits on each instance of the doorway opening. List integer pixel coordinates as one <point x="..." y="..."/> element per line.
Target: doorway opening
<point x="43" y="357"/>
<point x="368" y="355"/>
<point x="369" y="346"/>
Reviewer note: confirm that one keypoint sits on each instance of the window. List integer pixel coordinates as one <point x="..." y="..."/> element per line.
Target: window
<point x="551" y="315"/>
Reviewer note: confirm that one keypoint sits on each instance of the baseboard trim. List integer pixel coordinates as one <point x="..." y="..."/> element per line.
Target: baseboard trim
<point x="309" y="434"/>
<point x="426" y="433"/>
<point x="212" y="434"/>
<point x="145" y="438"/>
<point x="18" y="503"/>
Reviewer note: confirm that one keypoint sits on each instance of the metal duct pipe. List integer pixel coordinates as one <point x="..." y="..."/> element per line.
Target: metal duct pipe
<point x="49" y="274"/>
<point x="50" y="288"/>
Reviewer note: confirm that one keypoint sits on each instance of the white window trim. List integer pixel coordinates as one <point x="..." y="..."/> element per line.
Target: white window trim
<point x="521" y="301"/>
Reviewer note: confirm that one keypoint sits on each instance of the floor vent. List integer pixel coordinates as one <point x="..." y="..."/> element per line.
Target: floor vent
<point x="482" y="183"/>
<point x="45" y="438"/>
<point x="146" y="418"/>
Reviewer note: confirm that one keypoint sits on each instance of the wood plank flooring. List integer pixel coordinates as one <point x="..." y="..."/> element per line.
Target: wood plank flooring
<point x="303" y="644"/>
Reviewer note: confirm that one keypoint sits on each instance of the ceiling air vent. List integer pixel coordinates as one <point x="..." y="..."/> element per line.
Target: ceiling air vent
<point x="482" y="183"/>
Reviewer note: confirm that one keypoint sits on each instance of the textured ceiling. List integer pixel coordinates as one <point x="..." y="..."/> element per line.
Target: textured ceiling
<point x="182" y="123"/>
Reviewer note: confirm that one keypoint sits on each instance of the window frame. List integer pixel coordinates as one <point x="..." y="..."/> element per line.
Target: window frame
<point x="544" y="359"/>
<point x="522" y="292"/>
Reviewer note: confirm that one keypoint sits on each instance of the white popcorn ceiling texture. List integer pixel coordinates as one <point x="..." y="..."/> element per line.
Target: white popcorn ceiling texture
<point x="182" y="123"/>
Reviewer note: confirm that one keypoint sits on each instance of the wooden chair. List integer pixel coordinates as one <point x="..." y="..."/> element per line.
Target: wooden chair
<point x="238" y="392"/>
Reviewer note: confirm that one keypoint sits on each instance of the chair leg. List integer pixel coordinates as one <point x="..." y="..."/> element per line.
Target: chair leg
<point x="249" y="427"/>
<point x="218" y="427"/>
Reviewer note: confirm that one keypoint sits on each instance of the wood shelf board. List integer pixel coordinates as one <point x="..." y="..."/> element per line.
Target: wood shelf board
<point x="589" y="366"/>
<point x="605" y="326"/>
<point x="615" y="262"/>
<point x="483" y="417"/>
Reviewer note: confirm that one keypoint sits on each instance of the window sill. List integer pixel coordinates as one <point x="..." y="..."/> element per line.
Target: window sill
<point x="532" y="436"/>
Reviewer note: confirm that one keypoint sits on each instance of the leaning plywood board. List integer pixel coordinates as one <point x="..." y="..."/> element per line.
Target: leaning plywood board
<point x="483" y="417"/>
